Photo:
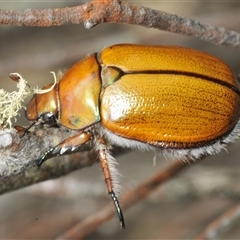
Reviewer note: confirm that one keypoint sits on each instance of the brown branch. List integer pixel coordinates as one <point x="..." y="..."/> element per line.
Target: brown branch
<point x="18" y="158"/>
<point x="116" y="11"/>
<point x="50" y="170"/>
<point x="20" y="153"/>
<point x="129" y="199"/>
<point x="223" y="222"/>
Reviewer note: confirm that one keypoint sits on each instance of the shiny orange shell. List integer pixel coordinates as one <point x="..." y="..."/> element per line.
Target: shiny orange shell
<point x="79" y="91"/>
<point x="166" y="96"/>
<point x="169" y="97"/>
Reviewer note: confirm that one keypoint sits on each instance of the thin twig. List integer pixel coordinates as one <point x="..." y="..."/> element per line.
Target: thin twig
<point x="216" y="227"/>
<point x="130" y="198"/>
<point x="116" y="11"/>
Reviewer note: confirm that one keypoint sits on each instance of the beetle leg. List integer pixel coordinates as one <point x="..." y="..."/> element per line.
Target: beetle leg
<point x="107" y="162"/>
<point x="68" y="145"/>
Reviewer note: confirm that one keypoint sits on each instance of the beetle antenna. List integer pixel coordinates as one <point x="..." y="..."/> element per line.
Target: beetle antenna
<point x="118" y="208"/>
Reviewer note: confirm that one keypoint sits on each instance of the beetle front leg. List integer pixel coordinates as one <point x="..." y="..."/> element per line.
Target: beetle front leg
<point x="69" y="144"/>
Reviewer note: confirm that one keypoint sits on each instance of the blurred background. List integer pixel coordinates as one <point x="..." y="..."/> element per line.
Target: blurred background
<point x="178" y="209"/>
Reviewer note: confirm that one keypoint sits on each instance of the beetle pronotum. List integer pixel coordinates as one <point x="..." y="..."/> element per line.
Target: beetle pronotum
<point x="180" y="101"/>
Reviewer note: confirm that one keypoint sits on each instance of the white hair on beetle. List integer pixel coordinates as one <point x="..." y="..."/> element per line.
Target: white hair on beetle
<point x="124" y="142"/>
<point x="209" y="149"/>
<point x="170" y="154"/>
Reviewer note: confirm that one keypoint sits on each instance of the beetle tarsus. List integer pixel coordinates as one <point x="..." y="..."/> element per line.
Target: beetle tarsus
<point x="45" y="156"/>
<point x="118" y="208"/>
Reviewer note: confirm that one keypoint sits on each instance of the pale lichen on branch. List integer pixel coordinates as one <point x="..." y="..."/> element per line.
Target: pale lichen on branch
<point x="12" y="102"/>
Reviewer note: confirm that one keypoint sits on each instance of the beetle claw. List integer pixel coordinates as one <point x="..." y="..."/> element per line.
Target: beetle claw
<point x="48" y="154"/>
<point x="118" y="208"/>
<point x="63" y="150"/>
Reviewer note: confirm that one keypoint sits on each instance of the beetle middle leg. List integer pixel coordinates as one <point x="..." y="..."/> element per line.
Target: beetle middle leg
<point x="68" y="145"/>
<point x="107" y="164"/>
<point x="105" y="158"/>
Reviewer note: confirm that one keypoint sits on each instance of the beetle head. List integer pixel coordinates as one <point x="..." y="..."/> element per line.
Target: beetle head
<point x="43" y="108"/>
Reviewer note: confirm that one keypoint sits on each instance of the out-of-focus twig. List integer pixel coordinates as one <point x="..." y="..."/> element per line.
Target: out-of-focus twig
<point x="216" y="227"/>
<point x="130" y="198"/>
<point x="116" y="11"/>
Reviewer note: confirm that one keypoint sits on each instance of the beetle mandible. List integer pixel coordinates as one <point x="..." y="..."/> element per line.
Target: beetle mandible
<point x="184" y="102"/>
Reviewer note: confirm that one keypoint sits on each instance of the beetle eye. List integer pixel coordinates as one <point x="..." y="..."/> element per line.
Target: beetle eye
<point x="48" y="118"/>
